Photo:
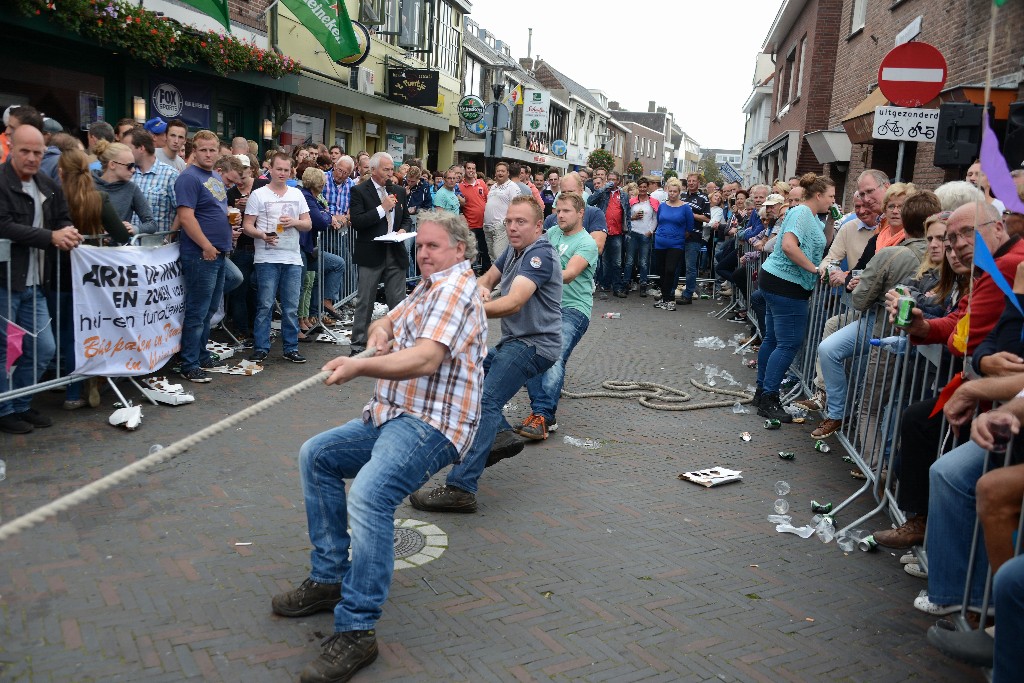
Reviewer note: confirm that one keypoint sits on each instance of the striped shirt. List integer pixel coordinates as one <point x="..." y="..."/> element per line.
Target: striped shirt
<point x="337" y="196"/>
<point x="157" y="185"/>
<point x="445" y="307"/>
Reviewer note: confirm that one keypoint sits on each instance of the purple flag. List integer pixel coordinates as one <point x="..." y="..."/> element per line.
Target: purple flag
<point x="993" y="164"/>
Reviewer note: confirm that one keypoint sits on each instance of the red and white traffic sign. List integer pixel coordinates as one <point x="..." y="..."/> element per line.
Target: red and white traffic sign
<point x="912" y="74"/>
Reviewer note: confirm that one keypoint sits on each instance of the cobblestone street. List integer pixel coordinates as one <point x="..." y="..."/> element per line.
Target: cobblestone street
<point x="581" y="565"/>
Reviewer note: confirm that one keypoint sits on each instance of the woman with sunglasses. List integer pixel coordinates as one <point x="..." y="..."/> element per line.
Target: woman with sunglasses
<point x="117" y="168"/>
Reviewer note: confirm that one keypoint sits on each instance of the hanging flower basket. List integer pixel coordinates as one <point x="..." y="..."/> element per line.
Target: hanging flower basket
<point x="157" y="40"/>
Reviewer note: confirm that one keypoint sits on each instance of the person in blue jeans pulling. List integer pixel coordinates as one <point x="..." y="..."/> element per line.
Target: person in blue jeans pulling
<point x="577" y="253"/>
<point x="531" y="342"/>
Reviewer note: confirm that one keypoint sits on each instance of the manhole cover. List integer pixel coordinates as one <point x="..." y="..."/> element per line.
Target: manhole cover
<point x="408" y="542"/>
<point x="417" y="543"/>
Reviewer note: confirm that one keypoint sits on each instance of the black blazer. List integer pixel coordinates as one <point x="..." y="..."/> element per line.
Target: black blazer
<point x="363" y="205"/>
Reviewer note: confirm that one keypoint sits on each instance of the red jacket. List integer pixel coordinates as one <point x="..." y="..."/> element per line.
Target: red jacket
<point x="987" y="303"/>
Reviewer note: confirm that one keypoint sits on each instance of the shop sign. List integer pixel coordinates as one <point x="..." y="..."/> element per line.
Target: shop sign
<point x="536" y="109"/>
<point x="414" y="87"/>
<point x="174" y="98"/>
<point x="471" y="109"/>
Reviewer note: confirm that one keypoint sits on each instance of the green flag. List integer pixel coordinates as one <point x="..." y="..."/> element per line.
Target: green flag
<point x="329" y="24"/>
<point x="218" y="9"/>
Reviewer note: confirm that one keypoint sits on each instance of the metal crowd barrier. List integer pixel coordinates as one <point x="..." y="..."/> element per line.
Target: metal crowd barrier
<point x="56" y="312"/>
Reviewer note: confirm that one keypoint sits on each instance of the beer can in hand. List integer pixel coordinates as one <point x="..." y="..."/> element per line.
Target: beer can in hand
<point x="905" y="310"/>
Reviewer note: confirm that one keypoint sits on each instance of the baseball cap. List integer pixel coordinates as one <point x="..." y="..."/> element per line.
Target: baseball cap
<point x="774" y="199"/>
<point x="52" y="126"/>
<point x="244" y="158"/>
<point x="157" y="126"/>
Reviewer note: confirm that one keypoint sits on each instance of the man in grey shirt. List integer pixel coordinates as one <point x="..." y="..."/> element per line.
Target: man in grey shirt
<point x="530" y="307"/>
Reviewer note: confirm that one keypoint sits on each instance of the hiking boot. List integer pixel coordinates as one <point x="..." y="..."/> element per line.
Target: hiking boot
<point x="444" y="499"/>
<point x="309" y="598"/>
<point x="826" y="428"/>
<point x="534" y="427"/>
<point x="758" y="393"/>
<point x="816" y="402"/>
<point x="35" y="418"/>
<point x="196" y="374"/>
<point x="12" y="424"/>
<point x="506" y="444"/>
<point x="343" y="655"/>
<point x="771" y="408"/>
<point x="907" y="535"/>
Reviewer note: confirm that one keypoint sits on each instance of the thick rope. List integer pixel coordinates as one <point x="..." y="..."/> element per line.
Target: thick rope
<point x="660" y="396"/>
<point x="70" y="500"/>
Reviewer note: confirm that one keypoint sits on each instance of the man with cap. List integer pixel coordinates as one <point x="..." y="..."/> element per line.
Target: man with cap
<point x="52" y="154"/>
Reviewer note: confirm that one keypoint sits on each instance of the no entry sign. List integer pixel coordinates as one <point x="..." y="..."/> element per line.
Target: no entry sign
<point x="912" y="74"/>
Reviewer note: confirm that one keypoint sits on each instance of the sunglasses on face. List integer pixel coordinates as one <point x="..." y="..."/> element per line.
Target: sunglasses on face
<point x="130" y="166"/>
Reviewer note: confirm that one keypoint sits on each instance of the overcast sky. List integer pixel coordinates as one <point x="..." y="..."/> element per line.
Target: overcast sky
<point x="696" y="58"/>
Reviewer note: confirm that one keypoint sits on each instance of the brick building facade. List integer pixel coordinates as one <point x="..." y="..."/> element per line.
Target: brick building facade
<point x="960" y="30"/>
<point x="803" y="40"/>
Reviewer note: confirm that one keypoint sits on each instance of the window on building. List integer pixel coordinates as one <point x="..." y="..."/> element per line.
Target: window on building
<point x="781" y="83"/>
<point x="636" y="146"/>
<point x="800" y="71"/>
<point x="860" y="11"/>
<point x="790" y="71"/>
<point x="446" y="39"/>
<point x="473" y="79"/>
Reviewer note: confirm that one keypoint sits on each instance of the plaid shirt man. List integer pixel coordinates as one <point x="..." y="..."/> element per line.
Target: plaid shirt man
<point x="446" y="308"/>
<point x="337" y="196"/>
<point x="157" y="184"/>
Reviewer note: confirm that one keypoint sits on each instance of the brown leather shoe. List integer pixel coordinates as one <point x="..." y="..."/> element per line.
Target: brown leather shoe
<point x="909" y="534"/>
<point x="826" y="428"/>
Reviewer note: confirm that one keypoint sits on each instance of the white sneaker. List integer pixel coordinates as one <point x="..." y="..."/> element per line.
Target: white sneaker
<point x="908" y="558"/>
<point x="924" y="604"/>
<point x="914" y="569"/>
<point x="670" y="306"/>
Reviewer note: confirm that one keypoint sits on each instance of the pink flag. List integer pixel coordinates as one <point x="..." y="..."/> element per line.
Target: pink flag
<point x="993" y="164"/>
<point x="15" y="337"/>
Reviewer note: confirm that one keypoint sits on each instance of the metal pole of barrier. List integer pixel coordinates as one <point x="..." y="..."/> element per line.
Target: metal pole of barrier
<point x="960" y="619"/>
<point x="735" y="300"/>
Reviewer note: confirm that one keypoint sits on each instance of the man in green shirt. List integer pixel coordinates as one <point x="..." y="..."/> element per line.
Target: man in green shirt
<point x="578" y="254"/>
<point x="445" y="197"/>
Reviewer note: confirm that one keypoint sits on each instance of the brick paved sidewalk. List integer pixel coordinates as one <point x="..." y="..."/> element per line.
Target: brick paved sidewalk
<point x="581" y="565"/>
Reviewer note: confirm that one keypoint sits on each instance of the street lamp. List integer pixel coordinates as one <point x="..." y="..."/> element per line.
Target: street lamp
<point x="268" y="129"/>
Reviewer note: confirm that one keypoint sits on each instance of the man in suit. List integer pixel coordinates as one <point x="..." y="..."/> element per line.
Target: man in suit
<point x="377" y="208"/>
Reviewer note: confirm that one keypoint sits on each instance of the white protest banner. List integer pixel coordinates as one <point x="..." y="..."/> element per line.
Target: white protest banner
<point x="129" y="306"/>
<point x="536" y="109"/>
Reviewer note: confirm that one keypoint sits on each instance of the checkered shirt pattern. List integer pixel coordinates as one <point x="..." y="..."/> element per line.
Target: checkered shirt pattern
<point x="157" y="185"/>
<point x="445" y="307"/>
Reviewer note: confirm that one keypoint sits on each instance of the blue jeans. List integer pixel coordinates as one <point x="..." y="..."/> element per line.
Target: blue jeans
<point x="785" y="326"/>
<point x="242" y="300"/>
<point x="233" y="276"/>
<point x="1008" y="591"/>
<point x="61" y="305"/>
<point x="691" y="252"/>
<point x="611" y="264"/>
<point x="386" y="464"/>
<point x="846" y="342"/>
<point x="204" y="289"/>
<point x="27" y="309"/>
<point x="759" y="307"/>
<point x="951" y="515"/>
<point x="283" y="281"/>
<point x="638" y="250"/>
<point x="506" y="369"/>
<point x="545" y="389"/>
<point x="334" y="272"/>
